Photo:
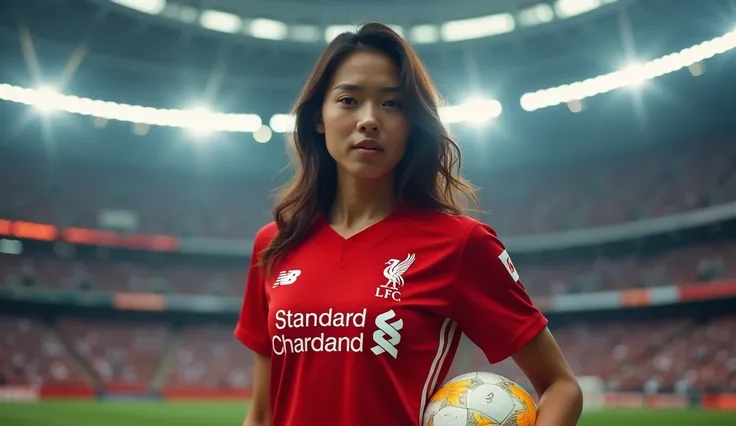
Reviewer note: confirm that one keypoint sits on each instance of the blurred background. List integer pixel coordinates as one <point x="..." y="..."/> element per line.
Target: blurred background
<point x="141" y="140"/>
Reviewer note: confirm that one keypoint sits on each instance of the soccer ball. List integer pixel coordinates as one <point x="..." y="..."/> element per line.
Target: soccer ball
<point x="480" y="399"/>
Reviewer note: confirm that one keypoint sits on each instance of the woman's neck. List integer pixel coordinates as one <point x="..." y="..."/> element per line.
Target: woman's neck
<point x="360" y="203"/>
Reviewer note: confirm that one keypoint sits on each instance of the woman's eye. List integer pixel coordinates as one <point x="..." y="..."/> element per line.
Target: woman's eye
<point x="393" y="103"/>
<point x="347" y="101"/>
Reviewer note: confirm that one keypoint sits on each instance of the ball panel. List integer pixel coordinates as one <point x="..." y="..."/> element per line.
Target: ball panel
<point x="478" y="419"/>
<point x="492" y="400"/>
<point x="526" y="414"/>
<point x="450" y="416"/>
<point x="487" y="377"/>
<point x="452" y="393"/>
<point x="431" y="410"/>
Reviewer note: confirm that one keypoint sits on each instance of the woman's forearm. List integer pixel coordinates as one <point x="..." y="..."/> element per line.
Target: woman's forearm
<point x="561" y="404"/>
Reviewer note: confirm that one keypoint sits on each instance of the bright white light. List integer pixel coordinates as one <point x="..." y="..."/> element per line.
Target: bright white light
<point x="263" y="134"/>
<point x="46" y="99"/>
<point x="631" y="76"/>
<point x="152" y="7"/>
<point x="305" y="33"/>
<point x="268" y="29"/>
<point x="528" y="102"/>
<point x="200" y="121"/>
<point x="634" y="74"/>
<point x="476" y="110"/>
<point x="220" y="21"/>
<point x="282" y="123"/>
<point x="537" y="14"/>
<point x="569" y="8"/>
<point x="483" y="26"/>
<point x="481" y="110"/>
<point x="424" y="34"/>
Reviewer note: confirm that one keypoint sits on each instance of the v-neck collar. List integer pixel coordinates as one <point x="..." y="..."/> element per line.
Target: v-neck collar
<point x="368" y="229"/>
<point x="346" y="249"/>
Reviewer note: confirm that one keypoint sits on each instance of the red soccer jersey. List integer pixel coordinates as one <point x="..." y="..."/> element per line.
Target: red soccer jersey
<point x="361" y="331"/>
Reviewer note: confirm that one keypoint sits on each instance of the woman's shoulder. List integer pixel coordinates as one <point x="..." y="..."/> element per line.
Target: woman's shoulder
<point x="455" y="224"/>
<point x="265" y="235"/>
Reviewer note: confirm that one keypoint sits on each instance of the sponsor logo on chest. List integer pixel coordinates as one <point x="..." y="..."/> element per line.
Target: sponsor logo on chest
<point x="333" y="330"/>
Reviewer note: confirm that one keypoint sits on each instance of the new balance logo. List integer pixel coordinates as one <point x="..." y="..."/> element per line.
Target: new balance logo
<point x="287" y="277"/>
<point x="387" y="336"/>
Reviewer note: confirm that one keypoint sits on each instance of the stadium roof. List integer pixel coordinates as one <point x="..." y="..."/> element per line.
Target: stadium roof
<point x="317" y="21"/>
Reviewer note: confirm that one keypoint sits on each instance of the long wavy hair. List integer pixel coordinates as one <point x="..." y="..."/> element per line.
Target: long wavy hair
<point x="427" y="176"/>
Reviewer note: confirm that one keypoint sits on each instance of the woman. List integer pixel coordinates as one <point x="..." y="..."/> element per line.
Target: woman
<point x="359" y="291"/>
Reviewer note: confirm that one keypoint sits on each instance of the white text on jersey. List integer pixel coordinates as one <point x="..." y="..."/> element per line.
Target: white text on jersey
<point x="318" y="332"/>
<point x="280" y="344"/>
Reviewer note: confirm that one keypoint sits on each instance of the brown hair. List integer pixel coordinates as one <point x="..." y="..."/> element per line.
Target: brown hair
<point x="428" y="175"/>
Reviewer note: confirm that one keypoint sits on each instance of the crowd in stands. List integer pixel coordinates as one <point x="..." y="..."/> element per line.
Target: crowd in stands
<point x="689" y="265"/>
<point x="677" y="356"/>
<point x="550" y="199"/>
<point x="34" y="354"/>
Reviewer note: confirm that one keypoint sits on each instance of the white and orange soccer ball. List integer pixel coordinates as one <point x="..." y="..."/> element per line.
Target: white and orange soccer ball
<point x="480" y="399"/>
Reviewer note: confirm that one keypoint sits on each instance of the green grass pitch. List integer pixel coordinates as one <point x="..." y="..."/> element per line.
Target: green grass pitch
<point x="126" y="413"/>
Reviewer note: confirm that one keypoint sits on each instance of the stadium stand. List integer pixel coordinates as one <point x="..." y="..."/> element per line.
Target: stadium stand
<point x="122" y="356"/>
<point x="33" y="354"/>
<point x="104" y="275"/>
<point x="209" y="357"/>
<point x="679" y="356"/>
<point x="558" y="198"/>
<point x="699" y="264"/>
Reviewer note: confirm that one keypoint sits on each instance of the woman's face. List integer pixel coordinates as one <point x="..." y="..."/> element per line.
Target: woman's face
<point x="362" y="117"/>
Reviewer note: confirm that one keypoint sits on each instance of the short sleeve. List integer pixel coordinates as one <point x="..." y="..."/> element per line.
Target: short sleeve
<point x="490" y="304"/>
<point x="252" y="326"/>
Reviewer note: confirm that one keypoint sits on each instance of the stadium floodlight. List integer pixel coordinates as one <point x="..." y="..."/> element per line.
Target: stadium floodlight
<point x="424" y="34"/>
<point x="570" y="8"/>
<point x="305" y="33"/>
<point x="482" y="110"/>
<point x="263" y="134"/>
<point x="224" y="22"/>
<point x="282" y="123"/>
<point x="151" y="7"/>
<point x="633" y="75"/>
<point x="475" y="110"/>
<point x="200" y="121"/>
<point x="47" y="99"/>
<point x="268" y="29"/>
<point x="535" y="15"/>
<point x="472" y="28"/>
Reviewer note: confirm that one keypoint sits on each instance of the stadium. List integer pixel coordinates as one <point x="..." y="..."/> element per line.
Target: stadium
<point x="141" y="142"/>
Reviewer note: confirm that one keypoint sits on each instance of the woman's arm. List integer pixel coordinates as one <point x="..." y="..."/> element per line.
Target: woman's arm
<point x="259" y="413"/>
<point x="545" y="366"/>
